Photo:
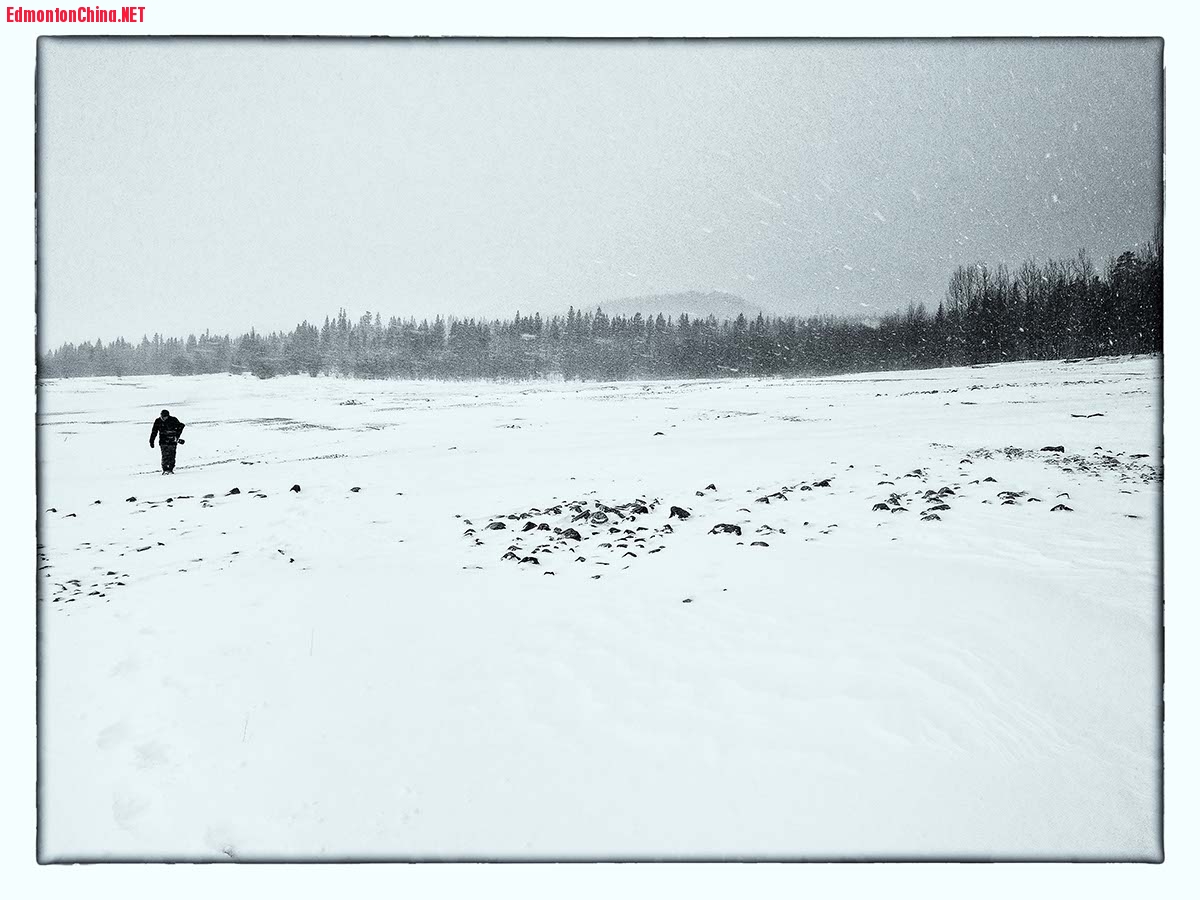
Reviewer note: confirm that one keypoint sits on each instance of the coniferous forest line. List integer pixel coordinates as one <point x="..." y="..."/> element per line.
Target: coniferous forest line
<point x="1055" y="310"/>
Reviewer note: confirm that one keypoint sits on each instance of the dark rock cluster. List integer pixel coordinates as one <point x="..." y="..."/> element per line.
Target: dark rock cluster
<point x="588" y="531"/>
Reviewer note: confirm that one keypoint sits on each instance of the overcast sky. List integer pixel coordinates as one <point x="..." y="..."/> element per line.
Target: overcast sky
<point x="189" y="185"/>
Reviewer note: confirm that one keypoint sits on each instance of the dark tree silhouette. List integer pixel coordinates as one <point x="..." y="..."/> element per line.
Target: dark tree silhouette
<point x="1059" y="309"/>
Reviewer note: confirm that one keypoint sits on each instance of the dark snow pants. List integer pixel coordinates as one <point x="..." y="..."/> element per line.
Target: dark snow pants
<point x="168" y="454"/>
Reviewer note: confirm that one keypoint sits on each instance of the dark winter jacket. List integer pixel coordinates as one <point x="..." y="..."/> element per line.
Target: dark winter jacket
<point x="167" y="431"/>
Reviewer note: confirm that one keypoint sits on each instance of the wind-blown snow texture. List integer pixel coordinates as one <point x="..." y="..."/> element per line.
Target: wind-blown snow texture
<point x="338" y="673"/>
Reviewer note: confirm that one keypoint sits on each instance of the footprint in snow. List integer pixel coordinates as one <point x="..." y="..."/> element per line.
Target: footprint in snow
<point x="127" y="808"/>
<point x="114" y="734"/>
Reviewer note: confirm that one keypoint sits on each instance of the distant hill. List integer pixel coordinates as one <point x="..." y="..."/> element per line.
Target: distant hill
<point x="695" y="303"/>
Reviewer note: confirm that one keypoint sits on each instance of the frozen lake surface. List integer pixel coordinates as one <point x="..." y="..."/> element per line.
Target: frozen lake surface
<point x="341" y="673"/>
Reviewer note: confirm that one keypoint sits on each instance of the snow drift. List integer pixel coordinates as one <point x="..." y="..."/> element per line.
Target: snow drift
<point x="937" y="633"/>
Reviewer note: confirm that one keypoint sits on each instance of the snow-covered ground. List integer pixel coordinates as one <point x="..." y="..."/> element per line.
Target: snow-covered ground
<point x="341" y="673"/>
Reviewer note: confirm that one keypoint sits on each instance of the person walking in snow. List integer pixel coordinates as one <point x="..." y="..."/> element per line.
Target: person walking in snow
<point x="167" y="429"/>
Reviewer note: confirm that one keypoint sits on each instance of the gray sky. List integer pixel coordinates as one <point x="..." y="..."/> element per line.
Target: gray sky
<point x="221" y="184"/>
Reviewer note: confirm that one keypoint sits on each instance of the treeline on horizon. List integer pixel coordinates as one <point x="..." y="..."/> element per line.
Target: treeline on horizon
<point x="1056" y="310"/>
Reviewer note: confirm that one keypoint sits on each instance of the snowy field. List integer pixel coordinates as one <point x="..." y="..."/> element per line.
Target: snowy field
<point x="890" y="660"/>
